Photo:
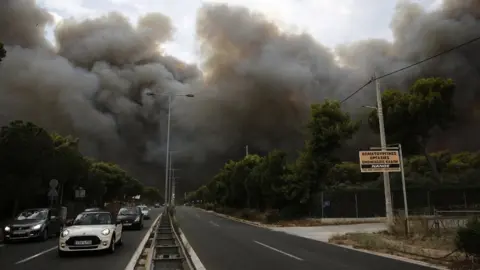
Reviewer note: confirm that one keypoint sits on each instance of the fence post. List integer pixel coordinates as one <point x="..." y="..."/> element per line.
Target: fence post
<point x="428" y="203"/>
<point x="356" y="205"/>
<point x="321" y="199"/>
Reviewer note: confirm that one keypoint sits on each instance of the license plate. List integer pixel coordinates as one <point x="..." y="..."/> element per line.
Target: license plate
<point x="83" y="243"/>
<point x="127" y="224"/>
<point x="19" y="232"/>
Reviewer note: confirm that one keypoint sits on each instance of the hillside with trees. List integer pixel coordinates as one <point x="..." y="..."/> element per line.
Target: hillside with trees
<point x="319" y="181"/>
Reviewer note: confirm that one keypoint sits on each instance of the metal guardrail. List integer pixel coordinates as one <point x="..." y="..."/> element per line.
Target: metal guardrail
<point x="164" y="249"/>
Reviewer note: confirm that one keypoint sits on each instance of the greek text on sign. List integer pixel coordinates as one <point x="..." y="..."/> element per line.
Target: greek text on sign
<point x="379" y="161"/>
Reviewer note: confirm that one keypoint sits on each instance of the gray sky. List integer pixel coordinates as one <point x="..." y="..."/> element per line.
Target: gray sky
<point x="331" y="22"/>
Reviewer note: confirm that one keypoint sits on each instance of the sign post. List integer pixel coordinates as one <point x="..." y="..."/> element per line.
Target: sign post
<point x="390" y="160"/>
<point x="52" y="193"/>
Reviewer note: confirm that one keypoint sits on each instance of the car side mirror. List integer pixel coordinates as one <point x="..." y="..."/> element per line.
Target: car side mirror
<point x="118" y="222"/>
<point x="69" y="222"/>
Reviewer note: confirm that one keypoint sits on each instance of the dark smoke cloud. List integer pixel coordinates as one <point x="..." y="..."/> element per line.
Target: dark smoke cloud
<point x="255" y="86"/>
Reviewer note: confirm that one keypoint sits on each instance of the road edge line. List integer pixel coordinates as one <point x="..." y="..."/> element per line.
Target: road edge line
<point x="193" y="256"/>
<point x="391" y="256"/>
<point x="133" y="261"/>
<point x="251" y="223"/>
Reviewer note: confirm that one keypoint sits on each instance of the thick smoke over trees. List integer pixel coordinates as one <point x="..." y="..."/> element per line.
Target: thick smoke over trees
<point x="255" y="86"/>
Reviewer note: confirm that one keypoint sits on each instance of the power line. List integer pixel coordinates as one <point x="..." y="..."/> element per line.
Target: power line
<point x="409" y="66"/>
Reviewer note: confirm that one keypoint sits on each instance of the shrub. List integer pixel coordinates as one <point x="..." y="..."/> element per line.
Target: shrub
<point x="210" y="206"/>
<point x="468" y="238"/>
<point x="272" y="216"/>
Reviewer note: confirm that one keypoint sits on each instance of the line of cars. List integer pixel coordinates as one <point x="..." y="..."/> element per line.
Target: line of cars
<point x="94" y="229"/>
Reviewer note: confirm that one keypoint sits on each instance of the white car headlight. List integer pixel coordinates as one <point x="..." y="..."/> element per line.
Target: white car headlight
<point x="137" y="219"/>
<point x="37" y="227"/>
<point x="7" y="229"/>
<point x="65" y="233"/>
<point x="106" y="231"/>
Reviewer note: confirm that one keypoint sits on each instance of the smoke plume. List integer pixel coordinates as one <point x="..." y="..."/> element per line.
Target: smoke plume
<point x="107" y="82"/>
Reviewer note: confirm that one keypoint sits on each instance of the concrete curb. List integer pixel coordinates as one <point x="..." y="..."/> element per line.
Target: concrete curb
<point x="193" y="256"/>
<point x="138" y="252"/>
<point x="252" y="223"/>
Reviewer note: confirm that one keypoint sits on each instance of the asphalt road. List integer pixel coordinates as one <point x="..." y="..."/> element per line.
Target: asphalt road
<point x="43" y="255"/>
<point x="222" y="244"/>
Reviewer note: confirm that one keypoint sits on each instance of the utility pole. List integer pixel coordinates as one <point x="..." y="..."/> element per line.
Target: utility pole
<point x="383" y="144"/>
<point x="170" y="177"/>
<point x="167" y="159"/>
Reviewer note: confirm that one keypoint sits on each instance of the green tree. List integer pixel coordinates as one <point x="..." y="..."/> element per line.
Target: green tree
<point x="25" y="150"/>
<point x="268" y="174"/>
<point x="152" y="195"/>
<point x="329" y="128"/>
<point x="68" y="165"/>
<point x="112" y="177"/>
<point x="411" y="116"/>
<point x="3" y="53"/>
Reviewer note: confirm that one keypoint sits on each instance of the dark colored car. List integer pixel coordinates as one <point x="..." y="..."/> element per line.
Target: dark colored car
<point x="37" y="223"/>
<point x="131" y="217"/>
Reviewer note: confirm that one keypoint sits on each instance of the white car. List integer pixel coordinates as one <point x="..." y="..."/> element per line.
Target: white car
<point x="91" y="231"/>
<point x="145" y="211"/>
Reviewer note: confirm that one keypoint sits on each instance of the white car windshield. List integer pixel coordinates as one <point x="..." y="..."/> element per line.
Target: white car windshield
<point x="33" y="214"/>
<point x="93" y="219"/>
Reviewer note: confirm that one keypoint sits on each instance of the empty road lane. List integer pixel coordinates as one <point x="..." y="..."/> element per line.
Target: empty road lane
<point x="226" y="244"/>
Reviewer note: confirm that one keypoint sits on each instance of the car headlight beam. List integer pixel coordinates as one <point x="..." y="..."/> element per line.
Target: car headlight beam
<point x="37" y="227"/>
<point x="106" y="231"/>
<point x="65" y="233"/>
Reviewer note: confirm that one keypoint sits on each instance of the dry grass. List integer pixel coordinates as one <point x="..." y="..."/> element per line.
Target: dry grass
<point x="422" y="244"/>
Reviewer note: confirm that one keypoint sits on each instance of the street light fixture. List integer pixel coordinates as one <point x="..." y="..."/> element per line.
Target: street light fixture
<point x="167" y="159"/>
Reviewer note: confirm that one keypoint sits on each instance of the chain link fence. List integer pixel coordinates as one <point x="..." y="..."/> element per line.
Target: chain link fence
<point x="371" y="203"/>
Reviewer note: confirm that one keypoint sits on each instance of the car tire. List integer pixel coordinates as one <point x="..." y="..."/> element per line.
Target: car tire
<point x="111" y="248"/>
<point x="120" y="241"/>
<point x="44" y="237"/>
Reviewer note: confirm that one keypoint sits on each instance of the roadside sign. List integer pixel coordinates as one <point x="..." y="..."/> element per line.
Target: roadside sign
<point x="53" y="183"/>
<point x="379" y="161"/>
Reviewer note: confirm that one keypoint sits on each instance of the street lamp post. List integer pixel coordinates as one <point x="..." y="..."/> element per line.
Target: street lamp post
<point x="167" y="158"/>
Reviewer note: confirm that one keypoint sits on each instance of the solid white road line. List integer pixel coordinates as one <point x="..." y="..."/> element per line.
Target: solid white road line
<point x="193" y="256"/>
<point x="214" y="224"/>
<point x="279" y="251"/>
<point x="36" y="255"/>
<point x="133" y="261"/>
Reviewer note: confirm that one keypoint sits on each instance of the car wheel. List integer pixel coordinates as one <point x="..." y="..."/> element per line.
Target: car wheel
<point x="120" y="241"/>
<point x="111" y="248"/>
<point x="44" y="236"/>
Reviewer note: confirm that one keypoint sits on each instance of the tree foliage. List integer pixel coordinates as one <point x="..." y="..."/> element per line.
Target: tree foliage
<point x="3" y="53"/>
<point x="269" y="182"/>
<point x="30" y="157"/>
<point x="427" y="105"/>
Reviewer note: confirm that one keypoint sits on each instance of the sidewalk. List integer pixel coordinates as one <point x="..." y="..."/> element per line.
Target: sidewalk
<point x="323" y="233"/>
